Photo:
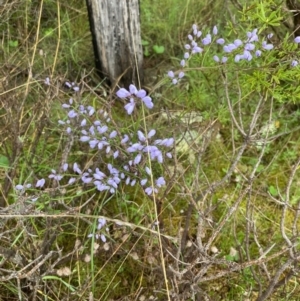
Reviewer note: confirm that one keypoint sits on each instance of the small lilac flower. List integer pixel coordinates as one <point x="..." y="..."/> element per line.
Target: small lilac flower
<point x="116" y="154"/>
<point x="252" y="36"/>
<point x="113" y="134"/>
<point x="143" y="182"/>
<point x="84" y="138"/>
<point x="68" y="85"/>
<point x="148" y="170"/>
<point x="71" y="181"/>
<point x="294" y="63"/>
<point x="141" y="136"/>
<point x="181" y="74"/>
<point x="91" y="110"/>
<point x="190" y="37"/>
<point x="247" y="55"/>
<point x="72" y="114"/>
<point x="76" y="89"/>
<point x="182" y="63"/>
<point x="148" y="102"/>
<point x="19" y="187"/>
<point x="238" y="42"/>
<point x="237" y="58"/>
<point x="171" y="74"/>
<point x="130" y="106"/>
<point x="186" y="56"/>
<point x="65" y="167"/>
<point x="55" y="176"/>
<point x="297" y="40"/>
<point x="93" y="143"/>
<point x="174" y="81"/>
<point x="47" y="81"/>
<point x="206" y="40"/>
<point x="76" y="168"/>
<point x="137" y="159"/>
<point x="215" y="30"/>
<point x="197" y="49"/>
<point x="249" y="46"/>
<point x="160" y="182"/>
<point x="151" y="133"/>
<point x="86" y="178"/>
<point x="123" y="93"/>
<point x="224" y="59"/>
<point x="216" y="58"/>
<point x="101" y="223"/>
<point x="270" y="35"/>
<point x="187" y="46"/>
<point x="258" y="53"/>
<point x="267" y="46"/>
<point x="220" y="41"/>
<point x="40" y="183"/>
<point x="125" y="139"/>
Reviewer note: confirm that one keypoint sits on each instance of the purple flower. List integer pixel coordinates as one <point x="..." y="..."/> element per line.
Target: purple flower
<point x="258" y="53"/>
<point x="224" y="59"/>
<point x="76" y="168"/>
<point x="72" y="114"/>
<point x="267" y="46"/>
<point x="297" y="40"/>
<point x="160" y="182"/>
<point x="238" y="42"/>
<point x="71" y="181"/>
<point x="123" y="93"/>
<point x="171" y="74"/>
<point x="148" y="102"/>
<point x="294" y="63"/>
<point x="101" y="223"/>
<point x="215" y="30"/>
<point x="55" y="176"/>
<point x="47" y="81"/>
<point x="237" y="58"/>
<point x="130" y="106"/>
<point x="40" y="183"/>
<point x="220" y="41"/>
<point x="206" y="40"/>
<point x="247" y="55"/>
<point x="249" y="46"/>
<point x="84" y="138"/>
<point x="216" y="58"/>
<point x="19" y="187"/>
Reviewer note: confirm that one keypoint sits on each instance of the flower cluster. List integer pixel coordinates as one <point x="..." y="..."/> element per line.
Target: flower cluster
<point x="98" y="234"/>
<point x="252" y="46"/>
<point x="134" y="95"/>
<point x="127" y="153"/>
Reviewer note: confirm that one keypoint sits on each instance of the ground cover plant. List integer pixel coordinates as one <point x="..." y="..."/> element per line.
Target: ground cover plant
<point x="188" y="191"/>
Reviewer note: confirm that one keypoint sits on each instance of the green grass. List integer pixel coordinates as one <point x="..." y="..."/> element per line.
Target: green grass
<point x="44" y="250"/>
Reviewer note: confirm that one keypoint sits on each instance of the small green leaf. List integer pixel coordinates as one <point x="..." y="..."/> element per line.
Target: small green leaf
<point x="13" y="43"/>
<point x="158" y="49"/>
<point x="146" y="51"/>
<point x="145" y="43"/>
<point x="4" y="162"/>
<point x="273" y="191"/>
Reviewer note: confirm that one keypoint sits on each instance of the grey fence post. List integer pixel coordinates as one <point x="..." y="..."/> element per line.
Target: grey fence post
<point x="116" y="34"/>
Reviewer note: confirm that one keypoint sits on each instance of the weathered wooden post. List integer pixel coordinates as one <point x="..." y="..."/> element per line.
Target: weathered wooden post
<point x="116" y="34"/>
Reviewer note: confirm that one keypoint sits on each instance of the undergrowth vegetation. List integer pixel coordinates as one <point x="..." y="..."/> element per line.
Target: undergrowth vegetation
<point x="189" y="192"/>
